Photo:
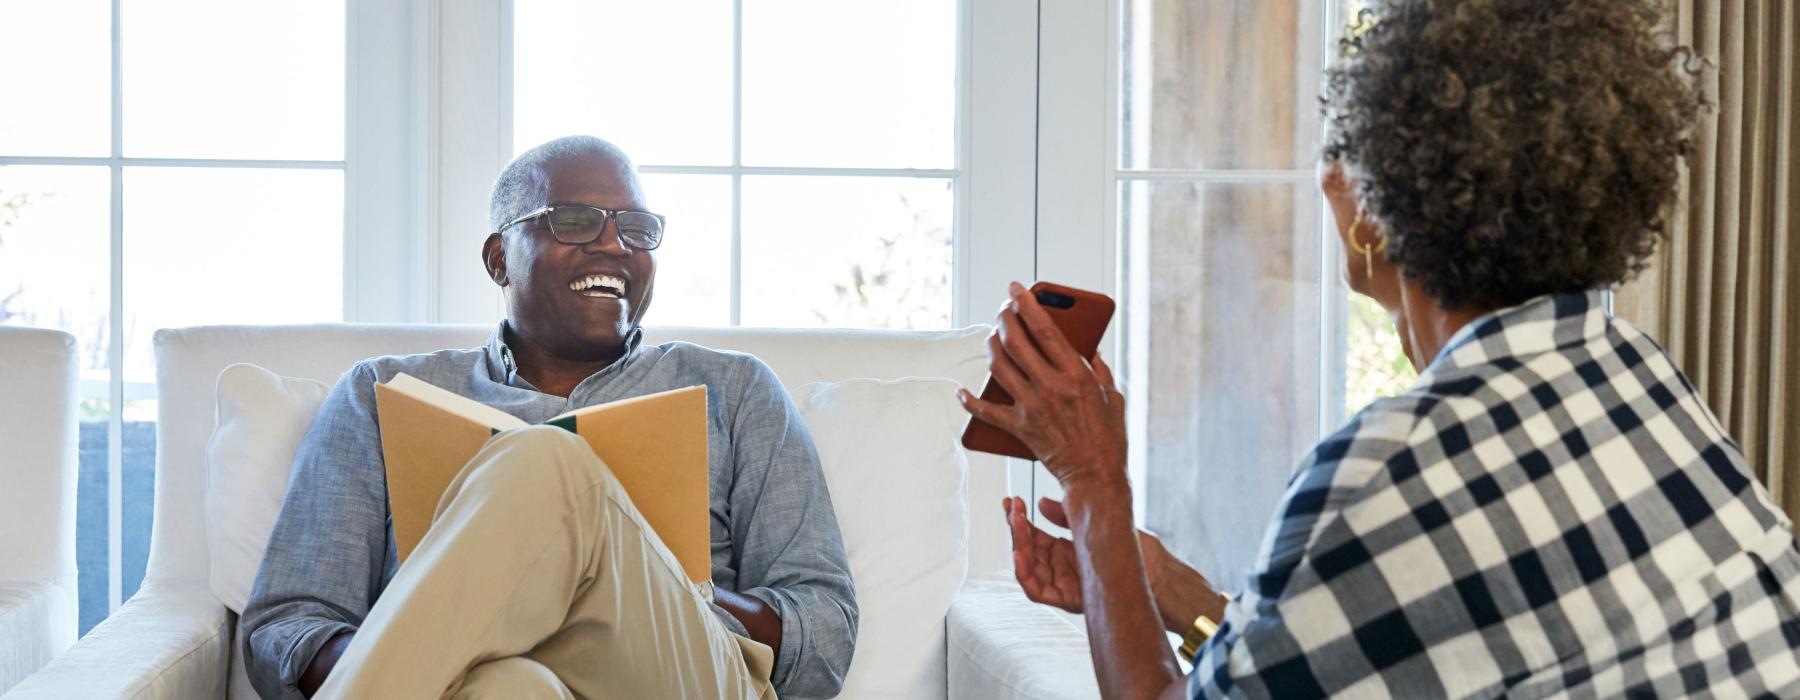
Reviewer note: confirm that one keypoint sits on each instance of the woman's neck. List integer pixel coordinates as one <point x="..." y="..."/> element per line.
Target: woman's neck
<point x="1425" y="326"/>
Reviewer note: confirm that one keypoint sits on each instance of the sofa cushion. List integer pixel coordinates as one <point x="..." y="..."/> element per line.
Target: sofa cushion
<point x="896" y="473"/>
<point x="1005" y="647"/>
<point x="261" y="418"/>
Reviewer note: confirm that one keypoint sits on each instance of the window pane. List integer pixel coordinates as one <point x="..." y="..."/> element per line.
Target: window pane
<point x="215" y="245"/>
<point x="693" y="265"/>
<point x="863" y="83"/>
<point x="233" y="79"/>
<point x="1220" y="84"/>
<point x="56" y="252"/>
<point x="652" y="77"/>
<point x="1231" y="319"/>
<point x="866" y="252"/>
<point x="58" y="87"/>
<point x="55" y="263"/>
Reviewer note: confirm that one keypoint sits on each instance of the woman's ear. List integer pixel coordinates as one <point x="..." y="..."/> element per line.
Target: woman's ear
<point x="1334" y="182"/>
<point x="1340" y="192"/>
<point x="493" y="257"/>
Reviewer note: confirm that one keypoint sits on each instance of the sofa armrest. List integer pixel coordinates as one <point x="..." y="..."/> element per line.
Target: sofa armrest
<point x="1001" y="645"/>
<point x="37" y="622"/>
<point x="169" y="641"/>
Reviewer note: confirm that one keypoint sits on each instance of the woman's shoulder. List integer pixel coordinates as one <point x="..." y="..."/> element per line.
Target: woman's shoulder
<point x="1388" y="440"/>
<point x="1409" y="417"/>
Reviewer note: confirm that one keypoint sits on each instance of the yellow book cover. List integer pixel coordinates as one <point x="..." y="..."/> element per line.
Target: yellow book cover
<point x="654" y="444"/>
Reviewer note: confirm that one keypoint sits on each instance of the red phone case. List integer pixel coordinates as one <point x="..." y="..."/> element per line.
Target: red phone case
<point x="1082" y="324"/>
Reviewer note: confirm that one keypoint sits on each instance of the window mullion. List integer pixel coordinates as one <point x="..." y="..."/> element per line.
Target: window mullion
<point x="115" y="352"/>
<point x="737" y="161"/>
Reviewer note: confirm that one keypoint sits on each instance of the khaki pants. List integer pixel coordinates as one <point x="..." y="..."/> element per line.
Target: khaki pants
<point x="539" y="578"/>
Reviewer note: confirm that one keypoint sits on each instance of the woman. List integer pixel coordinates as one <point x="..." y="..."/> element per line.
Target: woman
<point x="1550" y="508"/>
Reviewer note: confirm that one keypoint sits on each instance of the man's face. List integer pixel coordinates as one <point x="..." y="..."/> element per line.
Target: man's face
<point x="550" y="292"/>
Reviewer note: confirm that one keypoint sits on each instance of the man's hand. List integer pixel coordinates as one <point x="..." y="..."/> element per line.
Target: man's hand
<point x="759" y="618"/>
<point x="323" y="661"/>
<point x="1046" y="568"/>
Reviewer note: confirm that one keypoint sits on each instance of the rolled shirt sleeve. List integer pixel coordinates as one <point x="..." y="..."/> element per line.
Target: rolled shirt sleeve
<point x="328" y="554"/>
<point x="789" y="551"/>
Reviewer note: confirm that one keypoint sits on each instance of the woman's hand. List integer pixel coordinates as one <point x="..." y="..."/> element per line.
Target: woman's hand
<point x="1046" y="568"/>
<point x="1067" y="411"/>
<point x="1044" y="564"/>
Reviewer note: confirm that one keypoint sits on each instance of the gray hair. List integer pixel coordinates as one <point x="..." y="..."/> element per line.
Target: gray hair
<point x="523" y="177"/>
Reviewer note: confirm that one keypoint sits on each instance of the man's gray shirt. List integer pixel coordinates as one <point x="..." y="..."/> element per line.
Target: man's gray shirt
<point x="774" y="534"/>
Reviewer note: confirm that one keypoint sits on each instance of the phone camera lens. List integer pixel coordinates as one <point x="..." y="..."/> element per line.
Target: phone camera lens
<point x="1055" y="301"/>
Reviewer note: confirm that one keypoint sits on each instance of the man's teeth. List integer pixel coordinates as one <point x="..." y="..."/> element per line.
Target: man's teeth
<point x="600" y="284"/>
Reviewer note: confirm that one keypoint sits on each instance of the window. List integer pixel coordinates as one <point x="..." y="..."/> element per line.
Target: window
<point x="804" y="151"/>
<point x="156" y="184"/>
<point x="1235" y="308"/>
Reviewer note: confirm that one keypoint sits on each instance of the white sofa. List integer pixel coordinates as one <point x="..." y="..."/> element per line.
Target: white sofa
<point x="37" y="499"/>
<point x="174" y="639"/>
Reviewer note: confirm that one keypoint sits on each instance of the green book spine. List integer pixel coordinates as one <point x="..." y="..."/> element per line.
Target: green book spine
<point x="564" y="422"/>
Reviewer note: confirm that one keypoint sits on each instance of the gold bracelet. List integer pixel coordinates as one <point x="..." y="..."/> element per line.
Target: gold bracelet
<point x="1203" y="629"/>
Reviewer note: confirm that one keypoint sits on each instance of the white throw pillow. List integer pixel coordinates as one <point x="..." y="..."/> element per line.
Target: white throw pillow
<point x="261" y="418"/>
<point x="897" y="479"/>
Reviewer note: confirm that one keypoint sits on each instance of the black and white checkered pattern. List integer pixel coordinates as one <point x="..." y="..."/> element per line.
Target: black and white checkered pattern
<point x="1549" y="510"/>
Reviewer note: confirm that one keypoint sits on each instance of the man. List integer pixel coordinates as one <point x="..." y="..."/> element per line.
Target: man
<point x="538" y="578"/>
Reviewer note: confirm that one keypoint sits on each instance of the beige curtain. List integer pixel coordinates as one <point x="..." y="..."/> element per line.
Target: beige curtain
<point x="1724" y="295"/>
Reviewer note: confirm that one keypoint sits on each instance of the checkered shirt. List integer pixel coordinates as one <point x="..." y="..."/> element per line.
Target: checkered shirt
<point x="1549" y="510"/>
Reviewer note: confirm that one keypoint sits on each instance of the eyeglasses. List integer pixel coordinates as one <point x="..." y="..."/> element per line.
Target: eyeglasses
<point x="580" y="224"/>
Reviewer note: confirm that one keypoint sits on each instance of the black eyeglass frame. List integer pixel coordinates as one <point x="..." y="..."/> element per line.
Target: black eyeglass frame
<point x="605" y="216"/>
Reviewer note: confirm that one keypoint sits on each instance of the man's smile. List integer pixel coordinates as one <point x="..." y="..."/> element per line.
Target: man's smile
<point x="599" y="286"/>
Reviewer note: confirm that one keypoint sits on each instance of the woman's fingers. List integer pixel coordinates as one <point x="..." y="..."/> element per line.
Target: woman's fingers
<point x="1049" y="338"/>
<point x="1021" y="530"/>
<point x="1019" y="346"/>
<point x="1053" y="512"/>
<point x="1002" y="417"/>
<point x="1006" y="372"/>
<point x="1043" y="565"/>
<point x="1103" y="373"/>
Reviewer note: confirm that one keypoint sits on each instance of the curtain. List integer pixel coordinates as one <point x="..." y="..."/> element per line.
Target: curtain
<point x="1723" y="293"/>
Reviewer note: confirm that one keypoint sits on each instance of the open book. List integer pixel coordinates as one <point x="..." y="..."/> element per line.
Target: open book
<point x="655" y="445"/>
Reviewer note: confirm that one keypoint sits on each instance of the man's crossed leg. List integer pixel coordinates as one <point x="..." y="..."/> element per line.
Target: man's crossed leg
<point x="539" y="578"/>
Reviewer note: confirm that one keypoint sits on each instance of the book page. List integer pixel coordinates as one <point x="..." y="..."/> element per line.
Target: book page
<point x="656" y="446"/>
<point x="453" y="403"/>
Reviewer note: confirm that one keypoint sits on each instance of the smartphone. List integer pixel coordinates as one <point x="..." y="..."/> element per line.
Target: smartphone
<point x="1082" y="316"/>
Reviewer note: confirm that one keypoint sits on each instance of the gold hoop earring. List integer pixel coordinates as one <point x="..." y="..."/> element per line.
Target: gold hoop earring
<point x="1368" y="252"/>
